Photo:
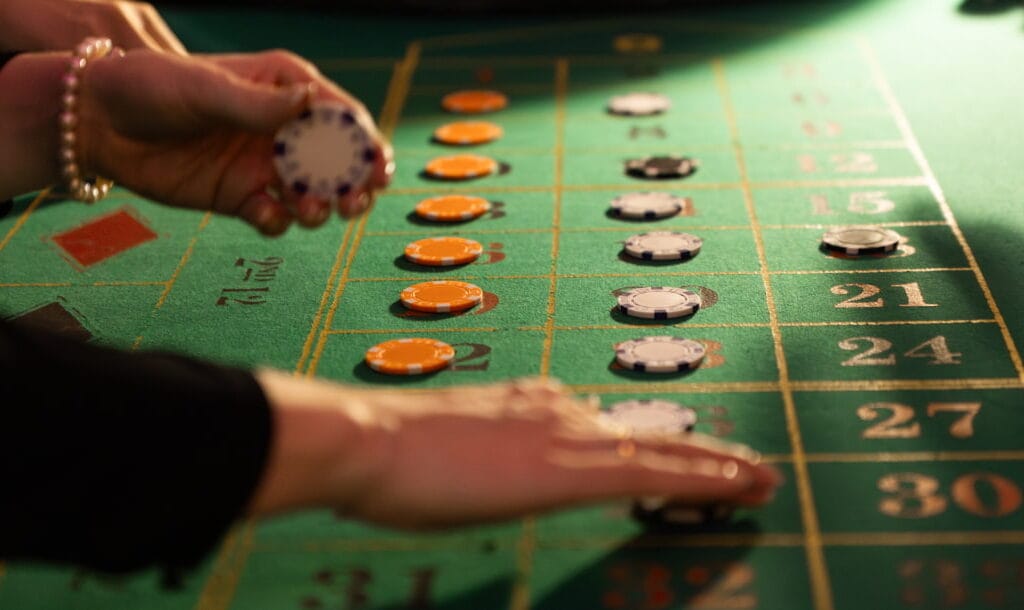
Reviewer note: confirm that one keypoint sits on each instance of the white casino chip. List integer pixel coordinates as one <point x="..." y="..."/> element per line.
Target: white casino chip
<point x="647" y="205"/>
<point x="663" y="246"/>
<point x="326" y="152"/>
<point x="659" y="303"/>
<point x="660" y="354"/>
<point x="639" y="104"/>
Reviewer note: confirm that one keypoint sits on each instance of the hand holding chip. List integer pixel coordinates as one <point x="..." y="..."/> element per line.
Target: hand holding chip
<point x="424" y="460"/>
<point x="198" y="132"/>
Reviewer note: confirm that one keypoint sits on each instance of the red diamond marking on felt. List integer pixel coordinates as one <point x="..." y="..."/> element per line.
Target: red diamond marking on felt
<point x="103" y="237"/>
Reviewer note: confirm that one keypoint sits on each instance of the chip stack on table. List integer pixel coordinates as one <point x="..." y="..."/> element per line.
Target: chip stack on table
<point x="467" y="133"/>
<point x="663" y="246"/>
<point x="638" y="418"/>
<point x="651" y="416"/>
<point x="647" y="206"/>
<point x="660" y="354"/>
<point x="658" y="303"/>
<point x="443" y="251"/>
<point x="639" y="104"/>
<point x="461" y="167"/>
<point x="860" y="240"/>
<point x="452" y="208"/>
<point x="661" y="167"/>
<point x="410" y="356"/>
<point x="442" y="296"/>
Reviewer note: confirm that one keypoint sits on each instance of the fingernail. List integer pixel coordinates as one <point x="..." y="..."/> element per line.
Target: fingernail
<point x="277" y="225"/>
<point x="299" y="94"/>
<point x="321" y="216"/>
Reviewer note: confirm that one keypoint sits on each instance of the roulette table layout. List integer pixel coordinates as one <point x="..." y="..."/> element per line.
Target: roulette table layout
<point x="886" y="384"/>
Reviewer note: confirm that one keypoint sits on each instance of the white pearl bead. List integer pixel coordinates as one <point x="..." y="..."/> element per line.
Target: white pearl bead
<point x="67" y="154"/>
<point x="71" y="82"/>
<point x="69" y="101"/>
<point x="70" y="170"/>
<point x="68" y="138"/>
<point x="68" y="119"/>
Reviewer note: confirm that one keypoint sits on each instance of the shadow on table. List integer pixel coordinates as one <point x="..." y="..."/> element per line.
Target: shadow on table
<point x="649" y="571"/>
<point x="988" y="7"/>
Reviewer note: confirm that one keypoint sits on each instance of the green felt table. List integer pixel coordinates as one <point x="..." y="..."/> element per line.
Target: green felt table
<point x="888" y="390"/>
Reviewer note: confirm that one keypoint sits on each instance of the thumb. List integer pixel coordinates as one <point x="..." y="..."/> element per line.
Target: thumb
<point x="254" y="107"/>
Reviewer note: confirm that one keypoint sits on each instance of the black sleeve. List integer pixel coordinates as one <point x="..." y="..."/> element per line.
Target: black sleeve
<point x="118" y="461"/>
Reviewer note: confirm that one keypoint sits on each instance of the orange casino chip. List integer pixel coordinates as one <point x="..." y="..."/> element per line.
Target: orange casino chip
<point x="443" y="251"/>
<point x="461" y="167"/>
<point x="474" y="101"/>
<point x="410" y="356"/>
<point x="452" y="208"/>
<point x="442" y="296"/>
<point x="463" y="133"/>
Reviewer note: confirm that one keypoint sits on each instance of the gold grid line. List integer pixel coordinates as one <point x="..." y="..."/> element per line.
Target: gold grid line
<point x="391" y="331"/>
<point x="821" y="588"/>
<point x="40" y="198"/>
<point x="616" y="229"/>
<point x="169" y="284"/>
<point x="499" y="149"/>
<point x="657" y="271"/>
<point x="525" y="548"/>
<point x="82" y="285"/>
<point x="694" y="540"/>
<point x="915" y="456"/>
<point x="674" y="185"/>
<point x="561" y="87"/>
<point x="883" y="87"/>
<point x="307" y="345"/>
<point x="760" y="324"/>
<point x="997" y="383"/>
<point x="219" y="589"/>
<point x="528" y="539"/>
<point x="924" y="538"/>
<point x="825" y="385"/>
<point x="398" y="90"/>
<point x="865" y="271"/>
<point x="203" y="223"/>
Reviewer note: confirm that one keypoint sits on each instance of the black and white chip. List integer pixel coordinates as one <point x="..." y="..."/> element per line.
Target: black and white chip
<point x="661" y="167"/>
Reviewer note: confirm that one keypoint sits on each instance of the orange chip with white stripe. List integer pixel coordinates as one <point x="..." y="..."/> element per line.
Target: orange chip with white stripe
<point x="442" y="296"/>
<point x="474" y="101"/>
<point x="410" y="356"/>
<point x="443" y="251"/>
<point x="461" y="167"/>
<point x="468" y="133"/>
<point x="452" y="208"/>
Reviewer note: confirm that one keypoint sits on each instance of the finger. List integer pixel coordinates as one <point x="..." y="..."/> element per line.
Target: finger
<point x="383" y="167"/>
<point x="250" y="106"/>
<point x="312" y="211"/>
<point x="353" y="204"/>
<point x="266" y="214"/>
<point x="160" y="32"/>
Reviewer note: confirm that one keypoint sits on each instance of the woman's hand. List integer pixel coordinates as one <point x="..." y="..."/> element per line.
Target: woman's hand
<point x="477" y="454"/>
<point x="197" y="132"/>
<point x="59" y="25"/>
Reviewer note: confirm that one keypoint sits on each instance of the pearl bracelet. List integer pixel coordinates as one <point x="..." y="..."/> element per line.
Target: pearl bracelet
<point x="93" y="188"/>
